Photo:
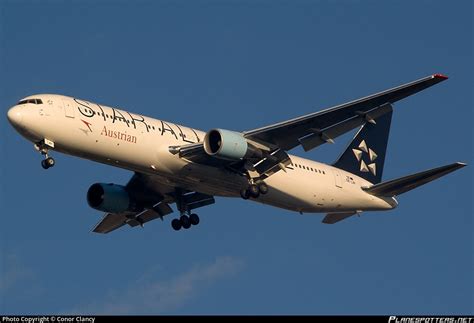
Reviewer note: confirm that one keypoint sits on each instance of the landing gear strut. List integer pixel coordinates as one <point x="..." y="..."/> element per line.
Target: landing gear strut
<point x="254" y="190"/>
<point x="43" y="147"/>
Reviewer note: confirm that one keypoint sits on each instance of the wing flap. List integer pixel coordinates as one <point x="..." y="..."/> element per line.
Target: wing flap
<point x="162" y="209"/>
<point x="272" y="163"/>
<point x="319" y="137"/>
<point x="266" y="166"/>
<point x="407" y="183"/>
<point x="196" y="200"/>
<point x="196" y="154"/>
<point x="142" y="218"/>
<point x="110" y="222"/>
<point x="158" y="211"/>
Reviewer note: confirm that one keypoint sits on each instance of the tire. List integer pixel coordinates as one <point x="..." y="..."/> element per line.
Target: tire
<point x="263" y="188"/>
<point x="185" y="222"/>
<point x="254" y="191"/>
<point x="50" y="162"/>
<point x="194" y="219"/>
<point x="44" y="165"/>
<point x="176" y="224"/>
<point x="244" y="193"/>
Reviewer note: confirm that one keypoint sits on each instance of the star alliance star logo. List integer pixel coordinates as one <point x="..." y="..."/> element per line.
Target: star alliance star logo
<point x="372" y="155"/>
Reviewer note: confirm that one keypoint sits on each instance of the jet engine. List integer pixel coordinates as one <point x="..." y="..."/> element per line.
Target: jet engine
<point x="230" y="145"/>
<point x="110" y="198"/>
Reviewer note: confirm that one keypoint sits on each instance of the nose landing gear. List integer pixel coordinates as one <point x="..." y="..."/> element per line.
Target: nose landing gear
<point x="43" y="147"/>
<point x="48" y="162"/>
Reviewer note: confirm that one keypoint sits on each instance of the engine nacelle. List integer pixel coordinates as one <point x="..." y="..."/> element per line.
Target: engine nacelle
<point x="228" y="144"/>
<point x="110" y="198"/>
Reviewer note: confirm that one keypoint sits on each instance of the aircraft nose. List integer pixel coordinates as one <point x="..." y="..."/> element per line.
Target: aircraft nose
<point x="15" y="115"/>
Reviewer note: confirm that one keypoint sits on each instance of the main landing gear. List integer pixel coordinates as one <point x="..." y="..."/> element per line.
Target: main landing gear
<point x="185" y="221"/>
<point x="43" y="147"/>
<point x="254" y="190"/>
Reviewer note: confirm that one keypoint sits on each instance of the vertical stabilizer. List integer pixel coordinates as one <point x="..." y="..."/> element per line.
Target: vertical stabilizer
<point x="365" y="155"/>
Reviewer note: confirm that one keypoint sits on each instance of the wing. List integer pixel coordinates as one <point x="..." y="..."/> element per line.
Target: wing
<point x="310" y="130"/>
<point x="316" y="128"/>
<point x="155" y="199"/>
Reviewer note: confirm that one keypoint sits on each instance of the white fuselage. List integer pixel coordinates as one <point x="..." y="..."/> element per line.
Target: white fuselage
<point x="138" y="143"/>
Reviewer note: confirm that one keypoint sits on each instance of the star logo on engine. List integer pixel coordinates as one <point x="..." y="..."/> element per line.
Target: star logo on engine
<point x="360" y="153"/>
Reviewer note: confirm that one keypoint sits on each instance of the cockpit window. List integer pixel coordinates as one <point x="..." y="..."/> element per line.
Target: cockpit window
<point x="33" y="101"/>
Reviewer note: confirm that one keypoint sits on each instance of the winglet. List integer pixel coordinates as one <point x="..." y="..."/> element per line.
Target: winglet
<point x="440" y="76"/>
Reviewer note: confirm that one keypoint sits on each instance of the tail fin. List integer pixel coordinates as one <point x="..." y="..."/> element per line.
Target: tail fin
<point x="365" y="155"/>
<point x="407" y="183"/>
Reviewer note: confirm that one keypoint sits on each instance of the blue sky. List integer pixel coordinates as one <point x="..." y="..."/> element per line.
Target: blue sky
<point x="239" y="65"/>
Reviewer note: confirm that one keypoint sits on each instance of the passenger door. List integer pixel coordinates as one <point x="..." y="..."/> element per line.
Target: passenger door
<point x="337" y="178"/>
<point x="68" y="108"/>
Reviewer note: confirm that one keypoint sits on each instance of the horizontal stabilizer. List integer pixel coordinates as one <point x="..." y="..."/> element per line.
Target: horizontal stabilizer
<point x="332" y="218"/>
<point x="407" y="183"/>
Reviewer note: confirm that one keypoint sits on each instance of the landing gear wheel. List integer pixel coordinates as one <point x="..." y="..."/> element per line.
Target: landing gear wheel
<point x="263" y="188"/>
<point x="50" y="161"/>
<point x="43" y="164"/>
<point x="47" y="163"/>
<point x="245" y="194"/>
<point x="194" y="219"/>
<point x="176" y="224"/>
<point x="253" y="191"/>
<point x="185" y="222"/>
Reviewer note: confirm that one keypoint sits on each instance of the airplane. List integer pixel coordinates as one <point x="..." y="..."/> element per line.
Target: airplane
<point x="174" y="164"/>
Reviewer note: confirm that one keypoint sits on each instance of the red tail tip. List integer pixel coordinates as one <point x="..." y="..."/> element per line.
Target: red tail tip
<point x="440" y="76"/>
